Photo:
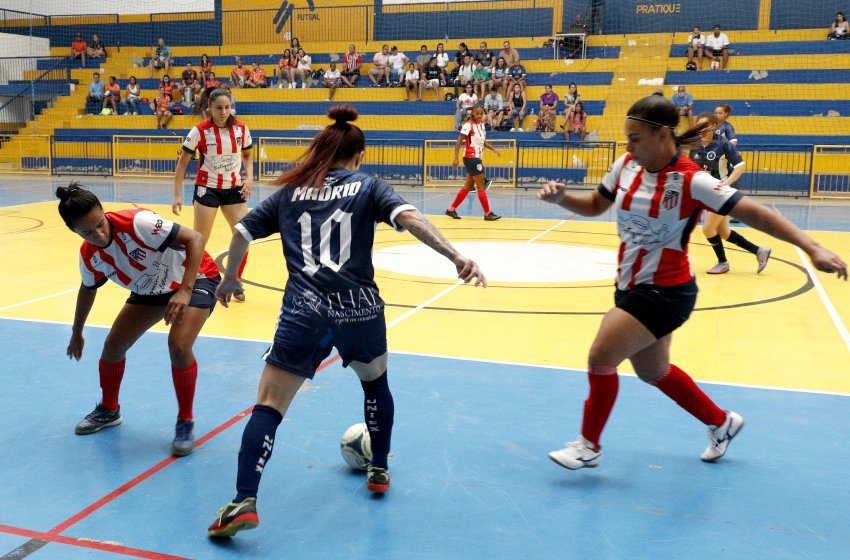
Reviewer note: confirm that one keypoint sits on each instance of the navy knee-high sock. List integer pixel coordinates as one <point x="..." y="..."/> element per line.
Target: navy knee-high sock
<point x="379" y="410"/>
<point x="256" y="449"/>
<point x="742" y="242"/>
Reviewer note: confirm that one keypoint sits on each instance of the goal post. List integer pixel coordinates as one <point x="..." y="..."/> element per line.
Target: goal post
<point x="438" y="170"/>
<point x="830" y="176"/>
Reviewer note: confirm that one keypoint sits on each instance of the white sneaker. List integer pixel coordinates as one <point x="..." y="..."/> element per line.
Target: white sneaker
<point x="576" y="455"/>
<point x="519" y="129"/>
<point x="720" y="436"/>
<point x="513" y="130"/>
<point x="719" y="268"/>
<point x="763" y="255"/>
<point x="303" y="85"/>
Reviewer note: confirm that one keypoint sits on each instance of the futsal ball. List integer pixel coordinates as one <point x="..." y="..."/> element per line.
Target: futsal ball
<point x="715" y="65"/>
<point x="106" y="111"/>
<point x="356" y="447"/>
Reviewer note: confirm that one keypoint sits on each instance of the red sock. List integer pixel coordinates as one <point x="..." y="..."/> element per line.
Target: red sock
<point x="461" y="196"/>
<point x="679" y="386"/>
<point x="482" y="196"/>
<point x="604" y="384"/>
<point x="242" y="265"/>
<point x="111" y="374"/>
<point x="184" y="386"/>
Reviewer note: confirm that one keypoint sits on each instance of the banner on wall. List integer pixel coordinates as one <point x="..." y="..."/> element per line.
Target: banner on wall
<point x="650" y="16"/>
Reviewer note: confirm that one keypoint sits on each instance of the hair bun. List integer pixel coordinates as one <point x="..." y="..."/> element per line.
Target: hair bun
<point x="64" y="193"/>
<point x="343" y="114"/>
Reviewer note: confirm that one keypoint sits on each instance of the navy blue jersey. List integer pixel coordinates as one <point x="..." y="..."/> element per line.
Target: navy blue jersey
<point x="726" y="130"/>
<point x="708" y="157"/>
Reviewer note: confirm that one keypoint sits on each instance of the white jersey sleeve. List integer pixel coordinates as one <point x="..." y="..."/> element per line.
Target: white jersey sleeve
<point x="154" y="230"/>
<point x="713" y="194"/>
<point x="466" y="128"/>
<point x="192" y="140"/>
<point x="608" y="187"/>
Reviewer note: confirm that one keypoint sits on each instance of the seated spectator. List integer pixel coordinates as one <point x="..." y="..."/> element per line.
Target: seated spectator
<point x="517" y="103"/>
<point x="167" y="85"/>
<point x="510" y="54"/>
<point x="213" y="82"/>
<point x="286" y="67"/>
<point x="351" y="63"/>
<point x="548" y="110"/>
<point x="295" y="44"/>
<point x="570" y="98"/>
<point x="839" y="28"/>
<point x="684" y="103"/>
<point x="480" y="80"/>
<point x="97" y="90"/>
<point x="189" y="84"/>
<point x="79" y="49"/>
<point x="379" y="67"/>
<point x="330" y="80"/>
<point x="442" y="63"/>
<point x="112" y="95"/>
<point x="494" y="107"/>
<point x="717" y="47"/>
<point x="466" y="100"/>
<point x="161" y="56"/>
<point x="303" y="67"/>
<point x="96" y="49"/>
<point x="398" y="61"/>
<point x="578" y="122"/>
<point x="431" y="78"/>
<point x="696" y="44"/>
<point x="162" y="107"/>
<point x="257" y="78"/>
<point x="484" y="56"/>
<point x="465" y="74"/>
<point x="574" y="44"/>
<point x="204" y="68"/>
<point x="411" y="82"/>
<point x="516" y="75"/>
<point x="461" y="54"/>
<point x="423" y="58"/>
<point x="499" y="75"/>
<point x="134" y="95"/>
<point x="239" y="74"/>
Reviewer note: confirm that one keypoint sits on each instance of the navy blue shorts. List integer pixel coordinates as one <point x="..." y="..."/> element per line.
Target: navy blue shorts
<point x="661" y="309"/>
<point x="212" y="197"/>
<point x="473" y="166"/>
<point x="203" y="295"/>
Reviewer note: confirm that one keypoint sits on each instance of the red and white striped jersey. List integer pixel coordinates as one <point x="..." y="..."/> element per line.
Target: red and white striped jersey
<point x="475" y="134"/>
<point x="220" y="163"/>
<point x="656" y="213"/>
<point x="140" y="256"/>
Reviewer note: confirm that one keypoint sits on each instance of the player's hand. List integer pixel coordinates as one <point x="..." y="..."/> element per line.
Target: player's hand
<point x="455" y="162"/>
<point x="225" y="290"/>
<point x="75" y="347"/>
<point x="467" y="270"/>
<point x="827" y="261"/>
<point x="245" y="191"/>
<point x="177" y="205"/>
<point x="177" y="306"/>
<point x="552" y="192"/>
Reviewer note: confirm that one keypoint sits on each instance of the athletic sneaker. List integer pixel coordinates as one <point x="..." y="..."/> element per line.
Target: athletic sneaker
<point x="488" y="184"/>
<point x="720" y="436"/>
<point x="452" y="214"/>
<point x="378" y="479"/>
<point x="763" y="255"/>
<point x="719" y="268"/>
<point x="492" y="217"/>
<point x="184" y="438"/>
<point x="98" y="419"/>
<point x="578" y="454"/>
<point x="235" y="517"/>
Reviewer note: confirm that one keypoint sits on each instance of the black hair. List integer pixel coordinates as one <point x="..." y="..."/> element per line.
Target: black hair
<point x="75" y="202"/>
<point x="659" y="112"/>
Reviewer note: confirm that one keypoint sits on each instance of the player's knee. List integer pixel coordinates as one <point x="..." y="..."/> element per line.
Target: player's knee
<point x="650" y="376"/>
<point x="180" y="351"/>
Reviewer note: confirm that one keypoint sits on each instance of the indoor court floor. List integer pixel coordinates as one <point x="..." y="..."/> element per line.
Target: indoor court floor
<point x="486" y="382"/>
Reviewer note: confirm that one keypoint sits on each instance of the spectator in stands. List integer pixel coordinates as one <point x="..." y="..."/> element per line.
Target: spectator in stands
<point x="97" y="89"/>
<point x="167" y="85"/>
<point x="351" y="63"/>
<point x="431" y="78"/>
<point x="162" y="108"/>
<point x="412" y="82"/>
<point x="578" y="122"/>
<point x="499" y="75"/>
<point x="96" y="49"/>
<point x="257" y="78"/>
<point x="379" y="67"/>
<point x="133" y="96"/>
<point x="161" y="56"/>
<point x="839" y="29"/>
<point x="466" y="100"/>
<point x="330" y="80"/>
<point x="696" y="44"/>
<point x="717" y="47"/>
<point x="396" y="65"/>
<point x="204" y="68"/>
<point x="461" y="54"/>
<point x="516" y="75"/>
<point x="570" y="98"/>
<point x="494" y="106"/>
<point x="239" y="74"/>
<point x="510" y="55"/>
<point x="295" y="44"/>
<point x="189" y="84"/>
<point x="286" y="68"/>
<point x="574" y="44"/>
<point x="303" y="67"/>
<point x="79" y="49"/>
<point x="548" y="110"/>
<point x="485" y="56"/>
<point x="213" y="82"/>
<point x="112" y="95"/>
<point x="684" y="103"/>
<point x="517" y="103"/>
<point x="442" y="63"/>
<point x="481" y="80"/>
<point x="465" y="74"/>
<point x="423" y="58"/>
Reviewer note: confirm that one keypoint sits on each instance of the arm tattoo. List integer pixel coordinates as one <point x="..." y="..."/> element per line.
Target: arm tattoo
<point x="423" y="230"/>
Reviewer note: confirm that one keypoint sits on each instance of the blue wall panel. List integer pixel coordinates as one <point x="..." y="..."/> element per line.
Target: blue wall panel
<point x="457" y="23"/>
<point x="790" y="14"/>
<point x="649" y="16"/>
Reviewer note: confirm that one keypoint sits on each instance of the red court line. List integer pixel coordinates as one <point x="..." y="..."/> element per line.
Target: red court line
<point x="106" y="547"/>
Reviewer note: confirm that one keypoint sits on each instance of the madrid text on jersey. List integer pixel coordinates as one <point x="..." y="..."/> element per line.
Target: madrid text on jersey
<point x="326" y="193"/>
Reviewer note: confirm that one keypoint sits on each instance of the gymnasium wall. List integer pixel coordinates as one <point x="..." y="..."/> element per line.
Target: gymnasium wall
<point x="790" y="14"/>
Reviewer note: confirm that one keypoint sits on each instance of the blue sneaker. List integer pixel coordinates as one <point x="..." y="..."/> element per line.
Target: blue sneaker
<point x="98" y="419"/>
<point x="184" y="438"/>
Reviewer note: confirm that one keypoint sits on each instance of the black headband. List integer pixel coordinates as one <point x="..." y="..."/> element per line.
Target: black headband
<point x="651" y="123"/>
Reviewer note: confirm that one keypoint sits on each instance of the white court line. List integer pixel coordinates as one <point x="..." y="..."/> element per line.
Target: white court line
<point x="830" y="308"/>
<point x="27" y="302"/>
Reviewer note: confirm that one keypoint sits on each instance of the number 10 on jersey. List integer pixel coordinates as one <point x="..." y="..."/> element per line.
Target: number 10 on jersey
<point x="326" y="230"/>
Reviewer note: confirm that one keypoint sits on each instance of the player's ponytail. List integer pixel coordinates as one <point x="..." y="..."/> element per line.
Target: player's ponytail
<point x="659" y="112"/>
<point x="75" y="202"/>
<point x="337" y="143"/>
